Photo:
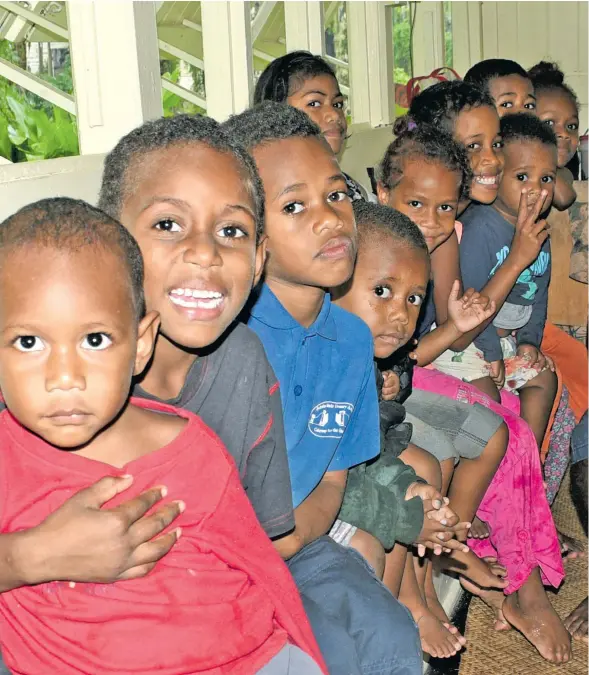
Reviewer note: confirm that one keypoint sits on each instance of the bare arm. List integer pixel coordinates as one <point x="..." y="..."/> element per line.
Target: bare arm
<point x="315" y="516"/>
<point x="464" y="313"/>
<point x="530" y="234"/>
<point x="435" y="343"/>
<point x="445" y="261"/>
<point x="564" y="192"/>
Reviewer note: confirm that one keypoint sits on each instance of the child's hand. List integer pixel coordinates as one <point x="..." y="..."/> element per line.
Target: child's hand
<point x="84" y="542"/>
<point x="533" y="356"/>
<point x="391" y="385"/>
<point x="440" y="523"/>
<point x="530" y="233"/>
<point x="497" y="373"/>
<point x="470" y="310"/>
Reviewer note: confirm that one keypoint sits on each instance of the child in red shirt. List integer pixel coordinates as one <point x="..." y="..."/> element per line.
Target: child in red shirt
<point x="73" y="333"/>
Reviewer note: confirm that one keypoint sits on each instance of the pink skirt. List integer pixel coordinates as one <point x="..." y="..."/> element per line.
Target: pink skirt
<point x="523" y="535"/>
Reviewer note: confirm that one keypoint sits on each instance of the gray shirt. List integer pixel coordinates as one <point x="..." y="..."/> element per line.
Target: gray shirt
<point x="485" y="244"/>
<point x="235" y="392"/>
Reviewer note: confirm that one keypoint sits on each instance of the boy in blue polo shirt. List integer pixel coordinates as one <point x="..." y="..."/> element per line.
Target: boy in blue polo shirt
<point x="322" y="356"/>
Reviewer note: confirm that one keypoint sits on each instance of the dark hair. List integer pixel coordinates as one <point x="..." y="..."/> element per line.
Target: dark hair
<point x="163" y="133"/>
<point x="489" y="69"/>
<point x="548" y="76"/>
<point x="440" y="104"/>
<point x="373" y="220"/>
<point x="430" y="145"/>
<point x="287" y="73"/>
<point x="269" y="122"/>
<point x="68" y="225"/>
<point x="526" y="127"/>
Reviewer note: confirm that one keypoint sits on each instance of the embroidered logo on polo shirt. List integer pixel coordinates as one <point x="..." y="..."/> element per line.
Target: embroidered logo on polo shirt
<point x="330" y="419"/>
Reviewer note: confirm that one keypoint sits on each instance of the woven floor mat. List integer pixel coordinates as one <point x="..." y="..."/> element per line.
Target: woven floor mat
<point x="508" y="653"/>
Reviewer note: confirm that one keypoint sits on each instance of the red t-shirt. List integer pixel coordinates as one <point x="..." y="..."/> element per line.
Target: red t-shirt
<point x="222" y="601"/>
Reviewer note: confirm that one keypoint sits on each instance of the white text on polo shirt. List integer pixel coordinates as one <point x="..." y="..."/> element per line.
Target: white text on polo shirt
<point x="330" y="419"/>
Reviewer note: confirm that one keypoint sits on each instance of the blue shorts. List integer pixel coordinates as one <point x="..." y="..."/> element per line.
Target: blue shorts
<point x="360" y="627"/>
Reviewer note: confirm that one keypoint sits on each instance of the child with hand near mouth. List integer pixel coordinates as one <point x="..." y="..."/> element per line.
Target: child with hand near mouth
<point x="542" y="91"/>
<point x="530" y="161"/>
<point x="514" y="90"/>
<point x="511" y="345"/>
<point x="73" y="336"/>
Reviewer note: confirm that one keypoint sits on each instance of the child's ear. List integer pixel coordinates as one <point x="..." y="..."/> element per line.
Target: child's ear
<point x="146" y="336"/>
<point x="382" y="193"/>
<point x="260" y="258"/>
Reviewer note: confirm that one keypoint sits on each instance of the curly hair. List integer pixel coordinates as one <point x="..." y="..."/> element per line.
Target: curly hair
<point x="440" y="104"/>
<point x="526" y="127"/>
<point x="374" y="220"/>
<point x="270" y="121"/>
<point x="483" y="72"/>
<point x="428" y="144"/>
<point x="287" y="73"/>
<point x="162" y="133"/>
<point x="548" y="76"/>
<point x="68" y="225"/>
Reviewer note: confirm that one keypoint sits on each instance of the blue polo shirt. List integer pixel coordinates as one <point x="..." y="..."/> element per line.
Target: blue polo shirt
<point x="326" y="377"/>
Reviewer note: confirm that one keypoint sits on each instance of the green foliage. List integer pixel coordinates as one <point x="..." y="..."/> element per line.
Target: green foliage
<point x="30" y="127"/>
<point x="336" y="33"/>
<point x="174" y="104"/>
<point x="32" y="133"/>
<point x="402" y="39"/>
<point x="400" y="76"/>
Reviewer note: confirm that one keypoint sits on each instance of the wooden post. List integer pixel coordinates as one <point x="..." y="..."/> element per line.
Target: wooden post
<point x="304" y="26"/>
<point x="371" y="62"/>
<point x="115" y="63"/>
<point x="228" y="62"/>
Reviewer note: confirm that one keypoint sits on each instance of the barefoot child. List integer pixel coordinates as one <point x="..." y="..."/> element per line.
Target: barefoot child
<point x="386" y="291"/>
<point x="323" y="359"/>
<point x="521" y="465"/>
<point x="424" y="174"/>
<point x="74" y="334"/>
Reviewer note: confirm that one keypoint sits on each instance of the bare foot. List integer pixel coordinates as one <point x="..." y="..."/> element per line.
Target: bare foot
<point x="437" y="639"/>
<point x="576" y="622"/>
<point x="536" y="619"/>
<point x="570" y="548"/>
<point x="479" y="529"/>
<point x="483" y="574"/>
<point x="491" y="598"/>
<point x="435" y="606"/>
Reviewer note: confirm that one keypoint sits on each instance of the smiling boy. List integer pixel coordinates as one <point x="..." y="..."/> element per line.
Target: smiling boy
<point x="193" y="201"/>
